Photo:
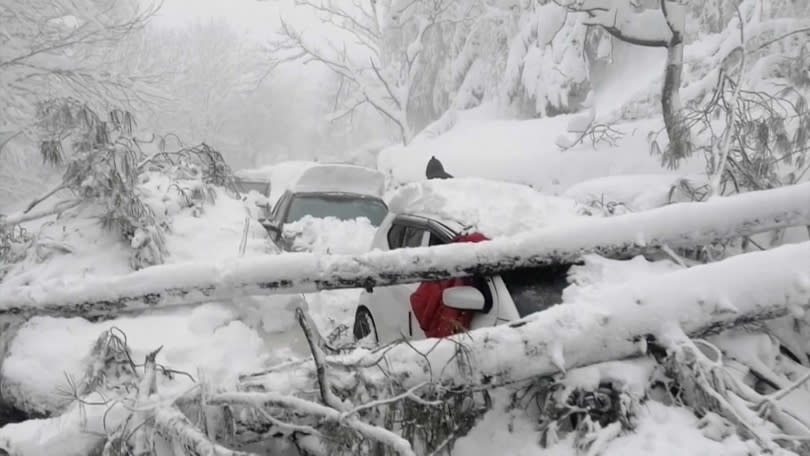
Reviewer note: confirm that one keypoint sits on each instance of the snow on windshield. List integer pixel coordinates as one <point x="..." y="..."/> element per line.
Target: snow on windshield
<point x="495" y="209"/>
<point x="330" y="235"/>
<point x="341" y="207"/>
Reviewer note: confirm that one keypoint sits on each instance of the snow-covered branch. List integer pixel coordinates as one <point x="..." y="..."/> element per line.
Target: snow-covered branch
<point x="616" y="324"/>
<point x="265" y="400"/>
<point x="678" y="225"/>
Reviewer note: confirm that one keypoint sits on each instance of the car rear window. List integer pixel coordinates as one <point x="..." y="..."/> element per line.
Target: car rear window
<point x="537" y="288"/>
<point x="263" y="188"/>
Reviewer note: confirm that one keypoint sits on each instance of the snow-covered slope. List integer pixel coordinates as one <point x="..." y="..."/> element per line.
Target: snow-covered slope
<point x="524" y="151"/>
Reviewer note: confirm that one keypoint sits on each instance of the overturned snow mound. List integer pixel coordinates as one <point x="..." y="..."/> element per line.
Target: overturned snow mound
<point x="330" y="235"/>
<point x="496" y="209"/>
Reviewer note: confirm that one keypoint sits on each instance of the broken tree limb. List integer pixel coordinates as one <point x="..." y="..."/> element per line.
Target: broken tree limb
<point x="175" y="427"/>
<point x="58" y="208"/>
<point x="269" y="400"/>
<point x="616" y="324"/>
<point x="677" y="225"/>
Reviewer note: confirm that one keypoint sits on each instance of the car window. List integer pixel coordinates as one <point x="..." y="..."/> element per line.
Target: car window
<point x="413" y="236"/>
<point x="263" y="188"/>
<point x="401" y="235"/>
<point x="279" y="204"/>
<point x="342" y="207"/>
<point x="395" y="236"/>
<point x="435" y="239"/>
<point x="536" y="288"/>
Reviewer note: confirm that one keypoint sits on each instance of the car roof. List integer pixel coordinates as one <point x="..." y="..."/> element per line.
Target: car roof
<point x="340" y="178"/>
<point x="493" y="208"/>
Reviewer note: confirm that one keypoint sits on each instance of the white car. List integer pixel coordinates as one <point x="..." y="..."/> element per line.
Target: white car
<point x="433" y="213"/>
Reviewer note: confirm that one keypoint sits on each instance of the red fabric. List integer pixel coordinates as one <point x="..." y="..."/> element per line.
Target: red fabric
<point x="436" y="319"/>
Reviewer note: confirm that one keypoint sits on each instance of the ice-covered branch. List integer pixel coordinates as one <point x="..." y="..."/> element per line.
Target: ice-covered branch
<point x="678" y="225"/>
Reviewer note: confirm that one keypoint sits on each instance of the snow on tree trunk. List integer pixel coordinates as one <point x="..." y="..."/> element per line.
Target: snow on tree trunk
<point x="677" y="132"/>
<point x="678" y="225"/>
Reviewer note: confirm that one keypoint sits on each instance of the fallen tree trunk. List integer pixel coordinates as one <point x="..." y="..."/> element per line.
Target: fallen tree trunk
<point x="678" y="225"/>
<point x="617" y="324"/>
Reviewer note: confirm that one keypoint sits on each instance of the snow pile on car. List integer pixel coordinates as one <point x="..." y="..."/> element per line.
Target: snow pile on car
<point x="282" y="175"/>
<point x="330" y="235"/>
<point x="341" y="178"/>
<point x="495" y="209"/>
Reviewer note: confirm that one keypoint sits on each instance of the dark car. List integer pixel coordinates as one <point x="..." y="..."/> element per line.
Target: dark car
<point x="344" y="192"/>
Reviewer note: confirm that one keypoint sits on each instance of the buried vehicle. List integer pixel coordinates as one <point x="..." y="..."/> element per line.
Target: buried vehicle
<point x="328" y="191"/>
<point x="437" y="212"/>
<point x="255" y="186"/>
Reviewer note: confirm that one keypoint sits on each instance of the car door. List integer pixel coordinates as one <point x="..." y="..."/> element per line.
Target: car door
<point x="393" y="303"/>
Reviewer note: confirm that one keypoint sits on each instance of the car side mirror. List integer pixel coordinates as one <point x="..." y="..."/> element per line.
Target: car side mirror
<point x="464" y="298"/>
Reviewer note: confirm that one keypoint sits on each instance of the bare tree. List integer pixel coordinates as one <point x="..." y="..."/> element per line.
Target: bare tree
<point x="57" y="48"/>
<point x="379" y="55"/>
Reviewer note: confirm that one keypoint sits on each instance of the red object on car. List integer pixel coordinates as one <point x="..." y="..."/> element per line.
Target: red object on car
<point x="436" y="319"/>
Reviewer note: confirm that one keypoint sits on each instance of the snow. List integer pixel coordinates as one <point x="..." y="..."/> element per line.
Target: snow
<point x="524" y="152"/>
<point x="221" y="339"/>
<point x="634" y="192"/>
<point x="330" y="235"/>
<point x="341" y="178"/>
<point x="208" y="338"/>
<point x="587" y="278"/>
<point x="662" y="431"/>
<point x="282" y="176"/>
<point x="488" y="207"/>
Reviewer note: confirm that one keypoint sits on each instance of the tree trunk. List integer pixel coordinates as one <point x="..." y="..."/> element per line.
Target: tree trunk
<point x="673" y="226"/>
<point x="679" y="143"/>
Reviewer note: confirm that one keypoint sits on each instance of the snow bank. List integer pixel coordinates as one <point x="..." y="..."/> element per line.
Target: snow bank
<point x="330" y="235"/>
<point x="524" y="152"/>
<point x="662" y="431"/>
<point x="48" y="350"/>
<point x="496" y="209"/>
<point x="634" y="192"/>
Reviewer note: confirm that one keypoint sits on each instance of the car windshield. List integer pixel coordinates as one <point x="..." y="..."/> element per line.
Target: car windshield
<point x="537" y="288"/>
<point x="342" y="207"/>
<point x="252" y="186"/>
